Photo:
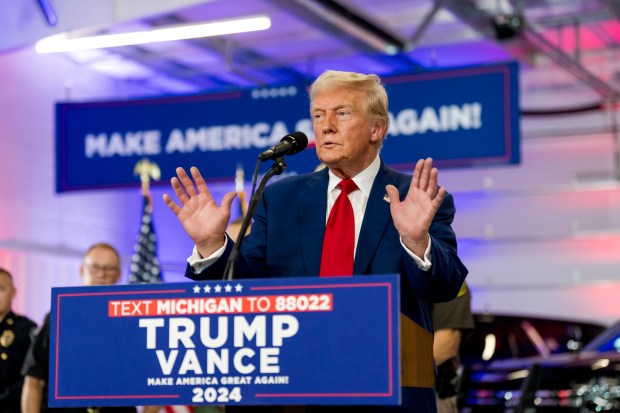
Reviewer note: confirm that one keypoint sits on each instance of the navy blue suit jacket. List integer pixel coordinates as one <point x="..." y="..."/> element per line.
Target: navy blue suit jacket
<point x="287" y="236"/>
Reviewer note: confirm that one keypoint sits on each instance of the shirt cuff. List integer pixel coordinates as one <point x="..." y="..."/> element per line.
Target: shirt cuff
<point x="423" y="264"/>
<point x="199" y="264"/>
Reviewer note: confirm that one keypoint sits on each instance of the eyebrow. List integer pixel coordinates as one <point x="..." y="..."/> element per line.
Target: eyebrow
<point x="337" y="107"/>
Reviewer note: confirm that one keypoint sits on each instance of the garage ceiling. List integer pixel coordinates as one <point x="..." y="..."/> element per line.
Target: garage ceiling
<point x="564" y="47"/>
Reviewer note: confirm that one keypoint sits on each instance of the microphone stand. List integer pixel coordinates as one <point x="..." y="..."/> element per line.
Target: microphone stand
<point x="276" y="169"/>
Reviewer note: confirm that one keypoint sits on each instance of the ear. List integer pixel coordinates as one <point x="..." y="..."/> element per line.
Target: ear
<point x="378" y="131"/>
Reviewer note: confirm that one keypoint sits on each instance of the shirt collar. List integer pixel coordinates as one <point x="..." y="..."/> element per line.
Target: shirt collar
<point x="363" y="180"/>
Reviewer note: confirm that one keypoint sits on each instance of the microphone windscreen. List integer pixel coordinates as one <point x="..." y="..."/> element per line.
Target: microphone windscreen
<point x="299" y="142"/>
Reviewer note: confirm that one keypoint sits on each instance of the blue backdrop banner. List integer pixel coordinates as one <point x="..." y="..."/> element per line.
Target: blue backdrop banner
<point x="288" y="341"/>
<point x="460" y="117"/>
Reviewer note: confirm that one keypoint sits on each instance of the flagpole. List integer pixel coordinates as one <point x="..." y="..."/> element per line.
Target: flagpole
<point x="145" y="267"/>
<point x="240" y="189"/>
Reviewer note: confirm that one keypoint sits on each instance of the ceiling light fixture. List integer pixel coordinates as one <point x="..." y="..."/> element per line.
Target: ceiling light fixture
<point x="63" y="42"/>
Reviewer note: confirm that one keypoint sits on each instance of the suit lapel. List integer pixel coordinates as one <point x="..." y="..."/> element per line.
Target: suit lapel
<point x="312" y="211"/>
<point x="376" y="218"/>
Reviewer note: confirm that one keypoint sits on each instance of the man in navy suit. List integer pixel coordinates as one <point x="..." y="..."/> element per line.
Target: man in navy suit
<point x="402" y="222"/>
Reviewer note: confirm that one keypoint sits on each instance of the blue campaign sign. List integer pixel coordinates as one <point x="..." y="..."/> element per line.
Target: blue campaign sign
<point x="460" y="117"/>
<point x="289" y="341"/>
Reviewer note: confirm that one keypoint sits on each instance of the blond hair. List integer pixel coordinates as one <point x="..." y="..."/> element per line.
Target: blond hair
<point x="376" y="96"/>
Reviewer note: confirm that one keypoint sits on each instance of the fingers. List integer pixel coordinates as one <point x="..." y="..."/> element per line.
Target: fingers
<point x="427" y="167"/>
<point x="201" y="184"/>
<point x="177" y="187"/>
<point x="417" y="173"/>
<point x="184" y="187"/>
<point x="186" y="183"/>
<point x="432" y="182"/>
<point x="392" y="193"/>
<point x="425" y="176"/>
<point x="171" y="204"/>
<point x="439" y="198"/>
<point x="227" y="200"/>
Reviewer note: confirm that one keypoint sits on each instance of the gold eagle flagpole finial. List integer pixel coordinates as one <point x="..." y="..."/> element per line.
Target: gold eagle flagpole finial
<point x="147" y="170"/>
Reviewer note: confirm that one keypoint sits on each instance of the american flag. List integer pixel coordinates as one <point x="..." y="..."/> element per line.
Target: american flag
<point x="145" y="266"/>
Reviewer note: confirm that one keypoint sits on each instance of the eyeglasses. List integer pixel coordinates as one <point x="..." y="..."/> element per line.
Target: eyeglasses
<point x="102" y="268"/>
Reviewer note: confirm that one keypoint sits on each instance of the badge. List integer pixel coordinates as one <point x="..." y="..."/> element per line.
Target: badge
<point x="7" y="338"/>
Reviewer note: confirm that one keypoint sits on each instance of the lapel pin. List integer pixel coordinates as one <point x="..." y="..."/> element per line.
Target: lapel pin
<point x="386" y="198"/>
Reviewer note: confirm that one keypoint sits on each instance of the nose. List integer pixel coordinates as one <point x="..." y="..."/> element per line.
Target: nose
<point x="328" y="124"/>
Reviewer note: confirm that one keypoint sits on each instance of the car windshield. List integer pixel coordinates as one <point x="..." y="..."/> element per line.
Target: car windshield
<point x="498" y="337"/>
<point x="608" y="340"/>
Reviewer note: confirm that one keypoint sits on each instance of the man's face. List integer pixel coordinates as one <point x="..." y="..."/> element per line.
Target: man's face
<point x="347" y="137"/>
<point x="100" y="267"/>
<point x="7" y="292"/>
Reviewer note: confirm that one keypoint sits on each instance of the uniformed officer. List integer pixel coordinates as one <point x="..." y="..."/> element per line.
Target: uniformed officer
<point x="452" y="321"/>
<point x="15" y="337"/>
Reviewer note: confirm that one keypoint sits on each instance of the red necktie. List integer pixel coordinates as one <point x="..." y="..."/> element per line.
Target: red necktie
<point x="339" y="238"/>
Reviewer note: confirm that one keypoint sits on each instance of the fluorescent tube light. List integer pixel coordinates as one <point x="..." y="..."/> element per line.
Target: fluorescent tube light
<point x="64" y="43"/>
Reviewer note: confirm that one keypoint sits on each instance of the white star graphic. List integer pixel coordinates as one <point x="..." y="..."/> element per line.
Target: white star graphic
<point x="218" y="288"/>
<point x="228" y="288"/>
<point x="196" y="289"/>
<point x="207" y="288"/>
<point x="238" y="288"/>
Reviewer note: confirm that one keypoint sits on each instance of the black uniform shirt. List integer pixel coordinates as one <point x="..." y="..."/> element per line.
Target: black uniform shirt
<point x="454" y="315"/>
<point x="15" y="337"/>
<point x="37" y="365"/>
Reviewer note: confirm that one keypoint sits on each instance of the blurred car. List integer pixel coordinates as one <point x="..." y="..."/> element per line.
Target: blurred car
<point x="503" y="336"/>
<point x="583" y="381"/>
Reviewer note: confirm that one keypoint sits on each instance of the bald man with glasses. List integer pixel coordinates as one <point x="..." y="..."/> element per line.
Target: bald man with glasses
<point x="101" y="266"/>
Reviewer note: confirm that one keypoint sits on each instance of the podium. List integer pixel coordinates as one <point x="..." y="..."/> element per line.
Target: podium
<point x="265" y="342"/>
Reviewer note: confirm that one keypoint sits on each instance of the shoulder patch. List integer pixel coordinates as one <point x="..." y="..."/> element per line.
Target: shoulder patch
<point x="463" y="290"/>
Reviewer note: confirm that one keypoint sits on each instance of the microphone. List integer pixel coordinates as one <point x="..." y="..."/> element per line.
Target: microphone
<point x="289" y="145"/>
